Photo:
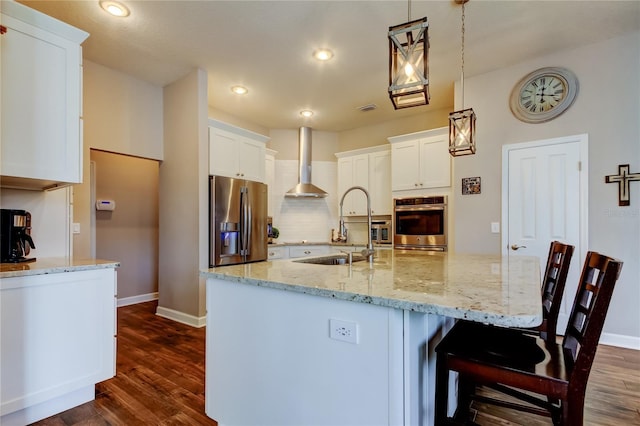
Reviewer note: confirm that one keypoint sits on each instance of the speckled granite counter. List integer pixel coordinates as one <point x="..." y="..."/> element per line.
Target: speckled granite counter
<point x="484" y="288"/>
<point x="53" y="265"/>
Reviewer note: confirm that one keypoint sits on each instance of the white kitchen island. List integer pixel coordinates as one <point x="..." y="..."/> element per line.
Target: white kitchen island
<point x="292" y="343"/>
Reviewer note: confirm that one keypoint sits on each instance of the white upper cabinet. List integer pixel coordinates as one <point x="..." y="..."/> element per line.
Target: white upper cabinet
<point x="420" y="160"/>
<point x="270" y="179"/>
<point x="236" y="152"/>
<point x="41" y="99"/>
<point x="380" y="182"/>
<point x="369" y="168"/>
<point x="353" y="171"/>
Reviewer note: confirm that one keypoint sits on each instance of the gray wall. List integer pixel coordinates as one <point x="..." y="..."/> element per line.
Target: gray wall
<point x="183" y="197"/>
<point x="128" y="234"/>
<point x="607" y="108"/>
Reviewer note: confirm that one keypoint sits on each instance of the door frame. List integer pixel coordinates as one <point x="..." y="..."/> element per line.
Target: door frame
<point x="583" y="143"/>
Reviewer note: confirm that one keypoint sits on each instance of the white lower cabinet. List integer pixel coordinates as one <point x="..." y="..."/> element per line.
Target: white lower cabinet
<point x="307" y="251"/>
<point x="58" y="334"/>
<point x="279" y="252"/>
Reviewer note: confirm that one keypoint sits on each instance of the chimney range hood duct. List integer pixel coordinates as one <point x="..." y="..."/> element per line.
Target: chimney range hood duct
<point x="304" y="188"/>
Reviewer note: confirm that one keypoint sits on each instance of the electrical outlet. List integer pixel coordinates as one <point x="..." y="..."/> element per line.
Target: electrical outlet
<point x="346" y="331"/>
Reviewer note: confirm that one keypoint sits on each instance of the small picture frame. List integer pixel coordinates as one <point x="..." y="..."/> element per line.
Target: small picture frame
<point x="471" y="185"/>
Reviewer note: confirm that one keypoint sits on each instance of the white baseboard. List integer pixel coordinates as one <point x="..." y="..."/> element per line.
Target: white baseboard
<point x="620" y="341"/>
<point x="48" y="408"/>
<point x="178" y="316"/>
<point x="126" y="301"/>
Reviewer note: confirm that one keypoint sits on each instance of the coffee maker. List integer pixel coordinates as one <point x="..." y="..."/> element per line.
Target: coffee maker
<point x="15" y="236"/>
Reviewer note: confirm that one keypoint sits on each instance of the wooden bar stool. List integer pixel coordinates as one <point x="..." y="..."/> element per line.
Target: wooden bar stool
<point x="553" y="283"/>
<point x="549" y="378"/>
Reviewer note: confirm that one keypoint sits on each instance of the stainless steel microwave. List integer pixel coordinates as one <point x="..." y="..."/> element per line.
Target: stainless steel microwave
<point x="381" y="231"/>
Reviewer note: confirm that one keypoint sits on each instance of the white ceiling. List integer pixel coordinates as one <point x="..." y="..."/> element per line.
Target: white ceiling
<point x="267" y="46"/>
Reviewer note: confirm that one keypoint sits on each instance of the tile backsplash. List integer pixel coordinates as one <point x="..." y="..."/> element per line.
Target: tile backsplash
<point x="310" y="219"/>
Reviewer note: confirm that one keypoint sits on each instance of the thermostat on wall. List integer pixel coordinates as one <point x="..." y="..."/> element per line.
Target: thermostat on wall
<point x="109" y="205"/>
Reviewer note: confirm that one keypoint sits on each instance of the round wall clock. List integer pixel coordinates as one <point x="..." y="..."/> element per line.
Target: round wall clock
<point x="543" y="94"/>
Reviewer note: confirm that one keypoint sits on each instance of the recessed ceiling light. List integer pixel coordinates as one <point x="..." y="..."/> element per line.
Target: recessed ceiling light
<point x="306" y="113"/>
<point x="239" y="90"/>
<point x="323" y="54"/>
<point x="114" y="8"/>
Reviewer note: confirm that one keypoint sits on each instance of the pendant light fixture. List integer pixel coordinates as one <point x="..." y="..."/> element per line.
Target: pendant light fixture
<point x="462" y="123"/>
<point x="409" y="63"/>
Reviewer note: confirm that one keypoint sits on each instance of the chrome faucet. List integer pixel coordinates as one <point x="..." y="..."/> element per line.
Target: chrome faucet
<point x="368" y="252"/>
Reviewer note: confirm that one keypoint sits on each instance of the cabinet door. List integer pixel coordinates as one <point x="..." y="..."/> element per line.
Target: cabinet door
<point x="405" y="165"/>
<point x="435" y="162"/>
<point x="353" y="171"/>
<point x="223" y="153"/>
<point x="40" y="98"/>
<point x="307" y="251"/>
<point x="251" y="160"/>
<point x="380" y="182"/>
<point x="360" y="178"/>
<point x="270" y="180"/>
<point x="57" y="333"/>
<point x="345" y="181"/>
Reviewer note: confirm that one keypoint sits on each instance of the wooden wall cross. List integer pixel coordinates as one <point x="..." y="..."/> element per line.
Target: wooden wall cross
<point x="623" y="178"/>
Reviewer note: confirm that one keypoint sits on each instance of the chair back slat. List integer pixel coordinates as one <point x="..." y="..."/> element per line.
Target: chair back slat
<point x="597" y="281"/>
<point x="555" y="278"/>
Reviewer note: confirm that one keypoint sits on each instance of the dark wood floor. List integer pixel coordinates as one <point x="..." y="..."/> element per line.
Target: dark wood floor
<point x="160" y="381"/>
<point x="159" y="376"/>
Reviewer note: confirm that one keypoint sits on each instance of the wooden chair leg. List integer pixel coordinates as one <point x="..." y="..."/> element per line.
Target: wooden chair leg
<point x="573" y="410"/>
<point x="466" y="388"/>
<point x="442" y="391"/>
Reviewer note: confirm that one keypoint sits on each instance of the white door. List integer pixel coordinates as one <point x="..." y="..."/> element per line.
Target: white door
<point x="545" y="199"/>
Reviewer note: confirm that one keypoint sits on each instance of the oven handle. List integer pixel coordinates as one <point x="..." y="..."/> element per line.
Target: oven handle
<point x="422" y="208"/>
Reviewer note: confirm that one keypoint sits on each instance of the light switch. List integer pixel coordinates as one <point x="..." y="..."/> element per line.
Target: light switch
<point x="495" y="227"/>
<point x="76" y="228"/>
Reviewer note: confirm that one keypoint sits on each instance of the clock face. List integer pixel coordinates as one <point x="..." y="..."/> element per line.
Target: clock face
<point x="543" y="94"/>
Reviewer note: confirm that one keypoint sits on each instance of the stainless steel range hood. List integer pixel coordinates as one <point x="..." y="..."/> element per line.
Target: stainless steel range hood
<point x="304" y="188"/>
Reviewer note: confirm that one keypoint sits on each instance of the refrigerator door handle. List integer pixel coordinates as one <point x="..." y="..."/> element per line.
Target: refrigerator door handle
<point x="248" y="228"/>
<point x="244" y="214"/>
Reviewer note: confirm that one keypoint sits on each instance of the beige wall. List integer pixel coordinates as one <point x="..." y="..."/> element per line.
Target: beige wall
<point x="610" y="118"/>
<point x="121" y="114"/>
<point x="183" y="196"/>
<point x="285" y="141"/>
<point x="128" y="234"/>
<point x="326" y="144"/>
<point x="238" y="122"/>
<point x="377" y="134"/>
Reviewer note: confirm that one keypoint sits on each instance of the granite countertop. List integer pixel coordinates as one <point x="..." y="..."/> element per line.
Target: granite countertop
<point x="53" y="265"/>
<point x="484" y="288"/>
<point x="325" y="243"/>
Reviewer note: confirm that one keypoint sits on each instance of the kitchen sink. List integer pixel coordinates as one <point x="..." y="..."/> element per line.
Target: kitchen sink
<point x="334" y="259"/>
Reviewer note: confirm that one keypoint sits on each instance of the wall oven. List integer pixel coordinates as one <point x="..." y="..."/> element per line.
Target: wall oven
<point x="420" y="223"/>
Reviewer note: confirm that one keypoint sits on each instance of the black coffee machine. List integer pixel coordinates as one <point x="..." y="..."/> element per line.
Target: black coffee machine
<point x="15" y="236"/>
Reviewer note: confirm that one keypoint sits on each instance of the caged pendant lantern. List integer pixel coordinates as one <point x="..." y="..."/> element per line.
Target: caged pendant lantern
<point x="409" y="63"/>
<point x="462" y="124"/>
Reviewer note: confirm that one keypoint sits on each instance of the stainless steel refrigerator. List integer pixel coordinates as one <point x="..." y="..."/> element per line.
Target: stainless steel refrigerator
<point x="237" y="221"/>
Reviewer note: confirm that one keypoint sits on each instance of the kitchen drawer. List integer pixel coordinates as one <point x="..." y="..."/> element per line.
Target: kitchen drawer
<point x="305" y="251"/>
<point x="277" y="252"/>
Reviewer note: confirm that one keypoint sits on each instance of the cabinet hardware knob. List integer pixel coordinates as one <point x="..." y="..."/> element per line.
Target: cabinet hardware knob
<point x="307" y="252"/>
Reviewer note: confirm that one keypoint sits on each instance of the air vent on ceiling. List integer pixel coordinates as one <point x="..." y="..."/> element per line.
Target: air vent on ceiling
<point x="369" y="107"/>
